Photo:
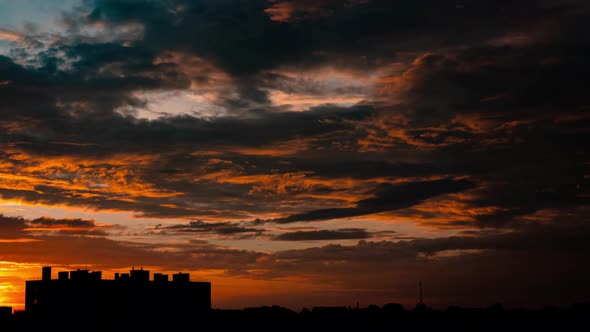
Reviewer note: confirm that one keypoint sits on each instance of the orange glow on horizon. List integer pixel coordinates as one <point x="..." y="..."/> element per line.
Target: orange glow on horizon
<point x="19" y="240"/>
<point x="12" y="282"/>
<point x="227" y="290"/>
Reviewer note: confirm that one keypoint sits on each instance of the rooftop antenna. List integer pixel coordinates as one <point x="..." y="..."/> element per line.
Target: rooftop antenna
<point x="420" y="285"/>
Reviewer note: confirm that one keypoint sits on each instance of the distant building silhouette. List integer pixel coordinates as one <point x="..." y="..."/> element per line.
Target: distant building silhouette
<point x="83" y="293"/>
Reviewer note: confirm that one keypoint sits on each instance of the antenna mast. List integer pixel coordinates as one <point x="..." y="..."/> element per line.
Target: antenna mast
<point x="420" y="285"/>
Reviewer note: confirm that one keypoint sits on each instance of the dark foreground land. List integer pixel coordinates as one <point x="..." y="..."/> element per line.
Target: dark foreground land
<point x="390" y="317"/>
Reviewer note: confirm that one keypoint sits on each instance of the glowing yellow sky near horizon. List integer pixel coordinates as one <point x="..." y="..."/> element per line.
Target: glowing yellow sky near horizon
<point x="12" y="282"/>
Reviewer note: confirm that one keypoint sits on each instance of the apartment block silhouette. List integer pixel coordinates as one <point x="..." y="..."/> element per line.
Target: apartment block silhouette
<point x="83" y="293"/>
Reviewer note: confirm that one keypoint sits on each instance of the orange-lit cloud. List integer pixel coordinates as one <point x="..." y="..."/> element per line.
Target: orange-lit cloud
<point x="302" y="102"/>
<point x="114" y="178"/>
<point x="10" y="35"/>
<point x="284" y="11"/>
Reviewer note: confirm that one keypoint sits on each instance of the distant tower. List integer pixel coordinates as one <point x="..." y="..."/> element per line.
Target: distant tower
<point x="420" y="306"/>
<point x="420" y="285"/>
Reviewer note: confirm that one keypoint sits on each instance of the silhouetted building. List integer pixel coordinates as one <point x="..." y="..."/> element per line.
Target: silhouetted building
<point x="159" y="277"/>
<point x="82" y="293"/>
<point x="140" y="275"/>
<point x="5" y="312"/>
<point x="180" y="277"/>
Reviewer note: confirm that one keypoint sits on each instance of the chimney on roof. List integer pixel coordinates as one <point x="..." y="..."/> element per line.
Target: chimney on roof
<point x="181" y="277"/>
<point x="140" y="275"/>
<point x="46" y="274"/>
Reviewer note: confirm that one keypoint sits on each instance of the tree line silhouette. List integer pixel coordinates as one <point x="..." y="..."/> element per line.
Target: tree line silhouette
<point x="389" y="317"/>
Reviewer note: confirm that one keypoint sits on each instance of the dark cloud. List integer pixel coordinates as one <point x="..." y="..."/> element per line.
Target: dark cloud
<point x="484" y="60"/>
<point x="218" y="30"/>
<point x="104" y="253"/>
<point x="365" y="169"/>
<point x="82" y="110"/>
<point x="12" y="228"/>
<point x="550" y="239"/>
<point x="74" y="222"/>
<point x="101" y="79"/>
<point x="387" y="197"/>
<point x="340" y="234"/>
<point x="224" y="229"/>
<point x="495" y="83"/>
<point x="508" y="112"/>
<point x="71" y="249"/>
<point x="523" y="268"/>
<point x="29" y="230"/>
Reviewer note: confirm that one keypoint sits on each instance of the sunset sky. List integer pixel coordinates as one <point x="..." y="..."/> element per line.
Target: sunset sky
<point x="300" y="152"/>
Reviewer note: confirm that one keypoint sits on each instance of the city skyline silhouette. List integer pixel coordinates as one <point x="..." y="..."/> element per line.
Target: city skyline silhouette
<point x="83" y="298"/>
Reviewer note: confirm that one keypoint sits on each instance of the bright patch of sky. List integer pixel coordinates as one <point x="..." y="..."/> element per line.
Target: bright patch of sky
<point x="172" y="103"/>
<point x="40" y="15"/>
<point x="25" y="17"/>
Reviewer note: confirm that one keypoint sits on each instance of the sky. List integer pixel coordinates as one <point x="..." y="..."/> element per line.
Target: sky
<point x="300" y="153"/>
